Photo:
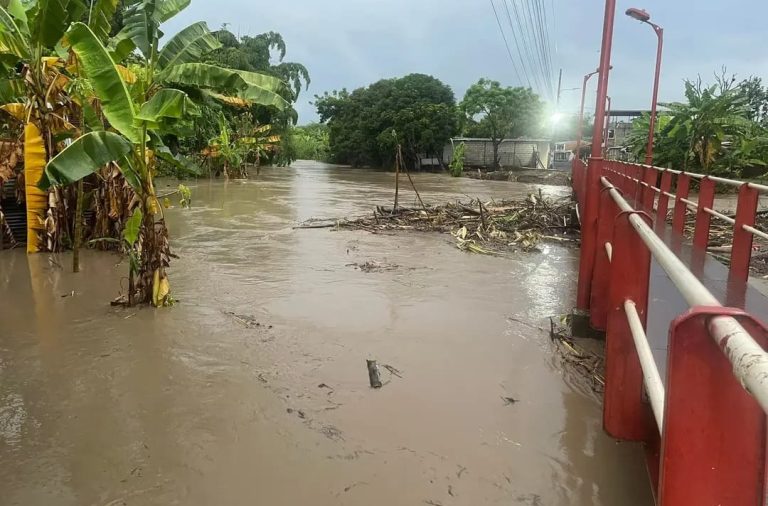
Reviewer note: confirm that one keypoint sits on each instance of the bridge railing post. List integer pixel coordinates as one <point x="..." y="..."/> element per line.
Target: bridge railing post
<point x="625" y="414"/>
<point x="589" y="231"/>
<point x="683" y="188"/>
<point x="650" y="178"/>
<point x="663" y="206"/>
<point x="713" y="448"/>
<point x="741" y="254"/>
<point x="703" y="218"/>
<point x="602" y="273"/>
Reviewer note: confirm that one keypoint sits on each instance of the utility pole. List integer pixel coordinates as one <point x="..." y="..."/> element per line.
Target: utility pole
<point x="559" y="88"/>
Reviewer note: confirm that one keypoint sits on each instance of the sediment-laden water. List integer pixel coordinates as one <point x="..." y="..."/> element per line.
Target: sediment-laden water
<point x="253" y="389"/>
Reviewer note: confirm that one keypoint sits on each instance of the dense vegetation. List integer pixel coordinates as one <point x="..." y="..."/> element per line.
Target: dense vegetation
<point x="310" y="142"/>
<point x="98" y="101"/>
<point x="420" y="113"/>
<point x="720" y="129"/>
<point x="416" y="111"/>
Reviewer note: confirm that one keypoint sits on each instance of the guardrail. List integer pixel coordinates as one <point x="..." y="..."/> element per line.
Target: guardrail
<point x="704" y="424"/>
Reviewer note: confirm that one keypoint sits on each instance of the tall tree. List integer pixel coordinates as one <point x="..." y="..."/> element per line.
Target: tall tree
<point x="416" y="111"/>
<point x="499" y="112"/>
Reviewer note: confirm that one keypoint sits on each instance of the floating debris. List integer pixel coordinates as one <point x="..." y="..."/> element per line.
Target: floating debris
<point x="586" y="367"/>
<point x="374" y="266"/>
<point x="479" y="227"/>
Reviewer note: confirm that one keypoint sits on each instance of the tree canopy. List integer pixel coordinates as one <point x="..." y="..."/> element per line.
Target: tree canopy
<point x="720" y="129"/>
<point x="498" y="112"/>
<point x="364" y="127"/>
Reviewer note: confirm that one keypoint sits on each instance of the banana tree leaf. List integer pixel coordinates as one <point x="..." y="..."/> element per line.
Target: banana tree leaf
<point x="11" y="90"/>
<point x="129" y="168"/>
<point x="16" y="109"/>
<point x="262" y="80"/>
<point x="166" y="9"/>
<point x="12" y="39"/>
<point x="36" y="198"/>
<point x="182" y="164"/>
<point x="119" y="49"/>
<point x="107" y="84"/>
<point x="50" y="18"/>
<point x="91" y="117"/>
<point x="18" y="11"/>
<point x="187" y="46"/>
<point x="132" y="227"/>
<point x="141" y="26"/>
<point x="167" y="103"/>
<point x="202" y="75"/>
<point x="100" y="17"/>
<point x="85" y="156"/>
<point x="229" y="100"/>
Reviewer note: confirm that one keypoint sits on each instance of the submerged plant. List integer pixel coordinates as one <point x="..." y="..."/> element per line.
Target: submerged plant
<point x="457" y="162"/>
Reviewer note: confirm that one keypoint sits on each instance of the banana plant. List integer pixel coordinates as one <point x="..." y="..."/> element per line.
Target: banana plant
<point x="248" y="143"/>
<point x="156" y="101"/>
<point x="32" y="90"/>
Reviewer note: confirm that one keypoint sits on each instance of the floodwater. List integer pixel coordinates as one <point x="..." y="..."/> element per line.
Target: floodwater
<point x="193" y="405"/>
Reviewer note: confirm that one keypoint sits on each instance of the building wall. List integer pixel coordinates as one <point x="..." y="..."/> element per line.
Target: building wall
<point x="512" y="153"/>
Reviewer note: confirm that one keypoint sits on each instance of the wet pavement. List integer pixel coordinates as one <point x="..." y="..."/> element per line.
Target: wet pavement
<point x="253" y="389"/>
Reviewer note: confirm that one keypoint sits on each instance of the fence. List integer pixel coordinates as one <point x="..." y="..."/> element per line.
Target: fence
<point x="704" y="421"/>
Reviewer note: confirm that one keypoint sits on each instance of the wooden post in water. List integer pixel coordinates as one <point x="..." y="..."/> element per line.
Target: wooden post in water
<point x="78" y="228"/>
<point x="407" y="173"/>
<point x="397" y="180"/>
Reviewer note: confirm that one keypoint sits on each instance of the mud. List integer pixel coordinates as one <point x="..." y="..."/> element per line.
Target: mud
<point x="253" y="389"/>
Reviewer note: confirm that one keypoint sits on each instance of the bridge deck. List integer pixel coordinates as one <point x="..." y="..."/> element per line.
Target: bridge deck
<point x="665" y="302"/>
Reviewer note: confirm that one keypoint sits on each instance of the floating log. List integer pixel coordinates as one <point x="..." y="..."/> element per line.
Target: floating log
<point x="373" y="374"/>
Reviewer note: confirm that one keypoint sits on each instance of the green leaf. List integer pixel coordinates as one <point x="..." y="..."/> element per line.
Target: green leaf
<point x="129" y="167"/>
<point x="100" y="17"/>
<point x="119" y="49"/>
<point x="166" y="9"/>
<point x="258" y="88"/>
<point x="141" y="26"/>
<point x="107" y="84"/>
<point x="182" y="164"/>
<point x="167" y="103"/>
<point x="187" y="46"/>
<point x="11" y="36"/>
<point x="133" y="227"/>
<point x="50" y="20"/>
<point x="84" y="156"/>
<point x="18" y="11"/>
<point x="11" y="90"/>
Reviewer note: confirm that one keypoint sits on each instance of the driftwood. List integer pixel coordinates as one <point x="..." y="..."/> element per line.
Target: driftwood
<point x="373" y="374"/>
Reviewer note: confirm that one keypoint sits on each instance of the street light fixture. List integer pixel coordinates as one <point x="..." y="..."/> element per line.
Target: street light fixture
<point x="580" y="135"/>
<point x="644" y="17"/>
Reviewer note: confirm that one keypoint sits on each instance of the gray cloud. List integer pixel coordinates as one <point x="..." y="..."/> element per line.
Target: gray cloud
<point x="351" y="43"/>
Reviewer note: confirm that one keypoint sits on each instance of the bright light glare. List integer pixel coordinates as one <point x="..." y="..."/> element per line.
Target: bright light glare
<point x="556" y="118"/>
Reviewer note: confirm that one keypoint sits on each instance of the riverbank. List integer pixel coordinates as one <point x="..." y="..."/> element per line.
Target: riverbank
<point x="527" y="176"/>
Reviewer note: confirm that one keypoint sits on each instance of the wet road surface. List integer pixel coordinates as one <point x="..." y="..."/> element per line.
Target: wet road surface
<point x="253" y="389"/>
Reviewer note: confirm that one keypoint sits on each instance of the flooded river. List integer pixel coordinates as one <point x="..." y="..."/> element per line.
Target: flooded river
<point x="253" y="389"/>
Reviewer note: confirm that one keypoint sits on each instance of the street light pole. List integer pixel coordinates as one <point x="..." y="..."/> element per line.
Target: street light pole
<point x="594" y="167"/>
<point x="644" y="17"/>
<point x="581" y="113"/>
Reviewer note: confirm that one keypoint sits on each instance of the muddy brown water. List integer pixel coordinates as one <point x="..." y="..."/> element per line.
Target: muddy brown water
<point x="195" y="406"/>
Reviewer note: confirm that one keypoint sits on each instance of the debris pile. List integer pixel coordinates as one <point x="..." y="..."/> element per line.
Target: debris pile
<point x="584" y="368"/>
<point x="479" y="227"/>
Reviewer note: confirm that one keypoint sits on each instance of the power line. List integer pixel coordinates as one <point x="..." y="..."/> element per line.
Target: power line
<point x="506" y="44"/>
<point x="535" y="42"/>
<point x="525" y="48"/>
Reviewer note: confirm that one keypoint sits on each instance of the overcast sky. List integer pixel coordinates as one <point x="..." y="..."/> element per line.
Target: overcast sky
<point x="352" y="43"/>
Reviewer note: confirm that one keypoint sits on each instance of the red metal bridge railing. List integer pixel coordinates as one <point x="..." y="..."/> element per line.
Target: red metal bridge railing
<point x="704" y="423"/>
